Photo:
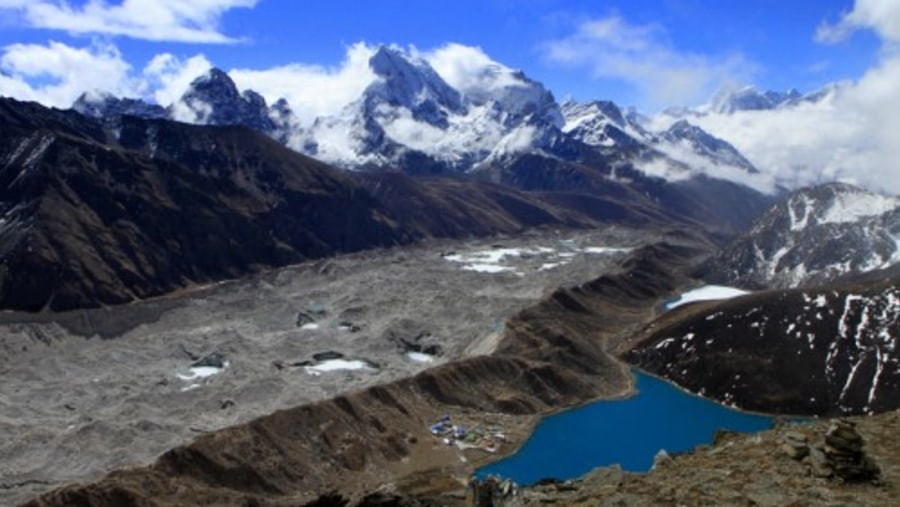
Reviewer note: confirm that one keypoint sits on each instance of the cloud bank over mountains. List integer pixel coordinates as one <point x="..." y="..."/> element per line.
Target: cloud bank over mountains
<point x="849" y="135"/>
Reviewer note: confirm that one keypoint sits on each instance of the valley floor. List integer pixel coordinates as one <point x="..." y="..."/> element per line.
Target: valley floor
<point x="90" y="391"/>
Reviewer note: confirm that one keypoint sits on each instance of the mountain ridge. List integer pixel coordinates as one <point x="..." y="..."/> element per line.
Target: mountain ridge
<point x="410" y="118"/>
<point x="99" y="212"/>
<point x="814" y="235"/>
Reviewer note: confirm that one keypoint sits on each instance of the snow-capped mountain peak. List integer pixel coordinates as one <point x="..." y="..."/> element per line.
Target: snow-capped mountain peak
<point x="700" y="142"/>
<point x="214" y="99"/>
<point x="601" y="123"/>
<point x="410" y="110"/>
<point x="404" y="81"/>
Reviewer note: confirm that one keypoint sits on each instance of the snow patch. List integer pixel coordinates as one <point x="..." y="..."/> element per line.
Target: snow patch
<point x="336" y="365"/>
<point x="420" y="357"/>
<point x="201" y="372"/>
<point x="486" y="268"/>
<point x="604" y="250"/>
<point x="705" y="293"/>
<point x="850" y="207"/>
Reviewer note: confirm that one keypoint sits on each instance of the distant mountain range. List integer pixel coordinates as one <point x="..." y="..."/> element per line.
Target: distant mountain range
<point x="110" y="210"/>
<point x="410" y="118"/>
<point x="750" y="98"/>
<point x="122" y="199"/>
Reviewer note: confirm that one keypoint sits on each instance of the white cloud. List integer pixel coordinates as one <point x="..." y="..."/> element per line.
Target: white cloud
<point x="640" y="55"/>
<point x="312" y="90"/>
<point x="168" y="77"/>
<point x="56" y="74"/>
<point x="195" y="21"/>
<point x="697" y="164"/>
<point x="881" y="16"/>
<point x="469" y="70"/>
<point x="849" y="136"/>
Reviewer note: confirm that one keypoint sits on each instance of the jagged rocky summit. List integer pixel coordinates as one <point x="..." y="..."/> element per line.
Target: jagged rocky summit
<point x="409" y="117"/>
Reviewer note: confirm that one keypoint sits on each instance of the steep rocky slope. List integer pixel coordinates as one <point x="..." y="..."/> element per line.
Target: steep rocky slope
<point x="90" y="220"/>
<point x="823" y="351"/>
<point x="813" y="236"/>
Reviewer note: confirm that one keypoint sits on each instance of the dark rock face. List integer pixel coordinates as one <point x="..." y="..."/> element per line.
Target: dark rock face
<point x="416" y="87"/>
<point x="813" y="236"/>
<point x="107" y="106"/>
<point x="826" y="351"/>
<point x="213" y="360"/>
<point x="170" y="204"/>
<point x="214" y="100"/>
<point x="707" y="145"/>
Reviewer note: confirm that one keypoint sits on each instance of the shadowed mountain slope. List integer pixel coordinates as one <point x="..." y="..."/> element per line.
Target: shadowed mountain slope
<point x="90" y="222"/>
<point x="96" y="213"/>
<point x="819" y="351"/>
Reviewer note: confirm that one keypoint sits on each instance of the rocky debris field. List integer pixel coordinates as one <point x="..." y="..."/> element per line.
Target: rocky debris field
<point x="551" y="355"/>
<point x="88" y="391"/>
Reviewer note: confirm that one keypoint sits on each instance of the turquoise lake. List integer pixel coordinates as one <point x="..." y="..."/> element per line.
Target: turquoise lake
<point x="629" y="432"/>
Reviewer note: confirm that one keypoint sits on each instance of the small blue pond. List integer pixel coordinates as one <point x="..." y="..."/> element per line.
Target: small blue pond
<point x="629" y="432"/>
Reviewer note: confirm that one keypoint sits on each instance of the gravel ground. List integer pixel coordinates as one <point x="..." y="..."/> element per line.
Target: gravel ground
<point x="73" y="407"/>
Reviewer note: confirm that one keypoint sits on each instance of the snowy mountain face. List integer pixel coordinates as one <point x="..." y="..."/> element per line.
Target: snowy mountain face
<point x="411" y="118"/>
<point x="213" y="99"/>
<point x="673" y="154"/>
<point x="104" y="105"/>
<point x="699" y="142"/>
<point x="411" y="112"/>
<point x="825" y="351"/>
<point x="814" y="235"/>
<point x="601" y="123"/>
<point x="752" y="99"/>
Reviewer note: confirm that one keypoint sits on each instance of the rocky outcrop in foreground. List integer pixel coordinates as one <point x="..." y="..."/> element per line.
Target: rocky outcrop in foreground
<point x="741" y="470"/>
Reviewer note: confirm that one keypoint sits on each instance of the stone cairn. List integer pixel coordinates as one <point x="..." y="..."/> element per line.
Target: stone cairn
<point x="493" y="492"/>
<point x="840" y="456"/>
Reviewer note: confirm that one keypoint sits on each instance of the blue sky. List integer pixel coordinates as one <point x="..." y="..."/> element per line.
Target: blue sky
<point x="639" y="52"/>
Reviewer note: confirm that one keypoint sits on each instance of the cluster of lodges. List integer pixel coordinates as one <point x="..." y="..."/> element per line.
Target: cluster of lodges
<point x="488" y="440"/>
